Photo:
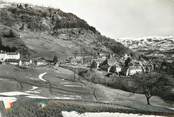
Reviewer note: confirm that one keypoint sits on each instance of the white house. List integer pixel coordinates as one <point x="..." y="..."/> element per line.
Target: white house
<point x="41" y="63"/>
<point x="133" y="70"/>
<point x="6" y="56"/>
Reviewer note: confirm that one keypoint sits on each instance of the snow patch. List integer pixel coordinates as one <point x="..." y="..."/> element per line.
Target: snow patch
<point x="68" y="97"/>
<point x="13" y="93"/>
<point x="33" y="90"/>
<point x="36" y="97"/>
<point x="103" y="114"/>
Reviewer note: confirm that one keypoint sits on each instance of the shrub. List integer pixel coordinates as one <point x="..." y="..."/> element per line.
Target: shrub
<point x="93" y="65"/>
<point x="10" y="34"/>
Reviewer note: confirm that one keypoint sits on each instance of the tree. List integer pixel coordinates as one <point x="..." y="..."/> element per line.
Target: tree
<point x="113" y="69"/>
<point x="104" y="65"/>
<point x="10" y="34"/>
<point x="26" y="6"/>
<point x="55" y="60"/>
<point x="22" y="27"/>
<point x="75" y="53"/>
<point x="93" y="65"/>
<point x="149" y="84"/>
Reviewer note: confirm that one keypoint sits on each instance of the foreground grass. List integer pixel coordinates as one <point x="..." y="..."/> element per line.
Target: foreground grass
<point x="53" y="108"/>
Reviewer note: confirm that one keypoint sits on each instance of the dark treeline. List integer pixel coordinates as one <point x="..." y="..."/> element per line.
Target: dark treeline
<point x="7" y="48"/>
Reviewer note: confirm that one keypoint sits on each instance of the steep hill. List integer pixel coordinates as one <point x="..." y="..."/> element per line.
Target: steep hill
<point x="44" y="32"/>
<point x="159" y="47"/>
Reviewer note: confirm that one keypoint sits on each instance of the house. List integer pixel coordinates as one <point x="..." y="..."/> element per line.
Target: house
<point x="85" y="59"/>
<point x="103" y="55"/>
<point x="40" y="62"/>
<point x="114" y="69"/>
<point x="28" y="62"/>
<point x="118" y="69"/>
<point x="114" y="62"/>
<point x="10" y="57"/>
<point x="133" y="70"/>
<point x="77" y="60"/>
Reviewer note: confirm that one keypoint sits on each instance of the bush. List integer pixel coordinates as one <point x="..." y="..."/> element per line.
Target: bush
<point x="10" y="33"/>
<point x="93" y="65"/>
<point x="6" y="18"/>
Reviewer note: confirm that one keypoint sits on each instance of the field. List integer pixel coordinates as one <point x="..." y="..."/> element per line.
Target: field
<point x="59" y="85"/>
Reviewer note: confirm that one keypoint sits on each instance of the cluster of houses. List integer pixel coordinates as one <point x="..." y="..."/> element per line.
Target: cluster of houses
<point x="122" y="66"/>
<point x="14" y="58"/>
<point x="127" y="66"/>
<point x="107" y="62"/>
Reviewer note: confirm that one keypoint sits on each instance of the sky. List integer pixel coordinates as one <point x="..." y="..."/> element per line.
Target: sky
<point x="119" y="18"/>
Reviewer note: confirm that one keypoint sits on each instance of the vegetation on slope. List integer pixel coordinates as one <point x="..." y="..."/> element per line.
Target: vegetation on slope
<point x="149" y="84"/>
<point x="40" y="26"/>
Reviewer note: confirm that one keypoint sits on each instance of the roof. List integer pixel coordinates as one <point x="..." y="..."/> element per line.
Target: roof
<point x="12" y="53"/>
<point x="9" y="53"/>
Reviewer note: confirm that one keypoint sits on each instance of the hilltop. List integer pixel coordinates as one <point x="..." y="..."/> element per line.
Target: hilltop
<point x="44" y="32"/>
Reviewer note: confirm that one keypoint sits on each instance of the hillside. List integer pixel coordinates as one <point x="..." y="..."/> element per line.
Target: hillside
<point x="160" y="47"/>
<point x="44" y="32"/>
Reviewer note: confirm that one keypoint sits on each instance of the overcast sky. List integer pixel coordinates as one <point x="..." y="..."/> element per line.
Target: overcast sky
<point x="120" y="18"/>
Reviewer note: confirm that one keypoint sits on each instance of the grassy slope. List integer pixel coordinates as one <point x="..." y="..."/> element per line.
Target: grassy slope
<point x="103" y="93"/>
<point x="54" y="108"/>
<point x="45" y="33"/>
<point x="64" y="44"/>
<point x="123" y="100"/>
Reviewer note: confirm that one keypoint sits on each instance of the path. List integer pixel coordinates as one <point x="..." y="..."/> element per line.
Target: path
<point x="9" y="97"/>
<point x="41" y="76"/>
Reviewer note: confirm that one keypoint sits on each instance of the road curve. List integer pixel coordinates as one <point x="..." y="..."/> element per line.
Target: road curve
<point x="41" y="76"/>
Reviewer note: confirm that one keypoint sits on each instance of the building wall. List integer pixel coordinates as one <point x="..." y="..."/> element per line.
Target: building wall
<point x="6" y="56"/>
<point x="133" y="70"/>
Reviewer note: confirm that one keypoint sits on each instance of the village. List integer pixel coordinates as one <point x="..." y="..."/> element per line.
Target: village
<point x="126" y="65"/>
<point x="54" y="63"/>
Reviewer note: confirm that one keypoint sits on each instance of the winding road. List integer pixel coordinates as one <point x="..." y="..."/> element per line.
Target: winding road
<point x="47" y="88"/>
<point x="41" y="76"/>
<point x="9" y="97"/>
